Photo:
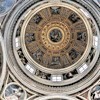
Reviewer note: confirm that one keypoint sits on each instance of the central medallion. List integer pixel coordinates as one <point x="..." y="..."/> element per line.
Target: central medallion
<point x="55" y="35"/>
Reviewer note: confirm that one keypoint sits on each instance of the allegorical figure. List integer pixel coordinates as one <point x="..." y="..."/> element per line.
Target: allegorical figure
<point x="95" y="94"/>
<point x="14" y="92"/>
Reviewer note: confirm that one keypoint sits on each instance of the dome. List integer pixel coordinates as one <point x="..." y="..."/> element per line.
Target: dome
<point x="50" y="49"/>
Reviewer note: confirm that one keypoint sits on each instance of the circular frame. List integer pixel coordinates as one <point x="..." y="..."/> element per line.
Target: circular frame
<point x="84" y="56"/>
<point x="55" y="97"/>
<point x="13" y="83"/>
<point x="3" y="72"/>
<point x="36" y="86"/>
